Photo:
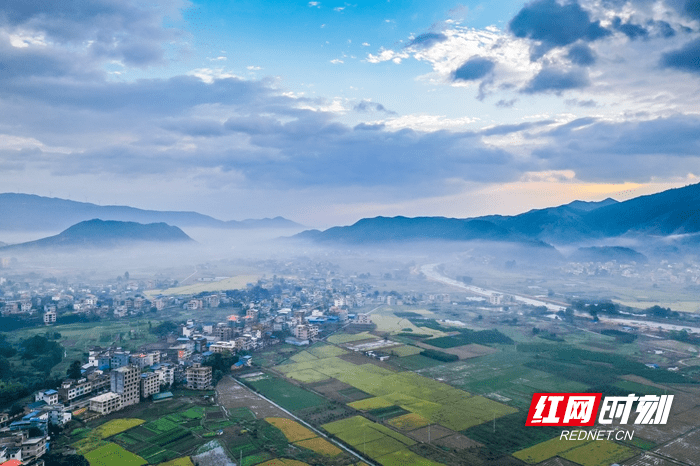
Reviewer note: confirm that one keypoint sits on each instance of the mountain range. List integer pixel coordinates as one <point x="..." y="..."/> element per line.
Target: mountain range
<point x="28" y="212"/>
<point x="105" y="233"/>
<point x="671" y="212"/>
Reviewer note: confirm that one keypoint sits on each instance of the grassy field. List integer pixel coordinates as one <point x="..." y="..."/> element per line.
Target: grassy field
<point x="233" y="283"/>
<point x="285" y="394"/>
<point x="112" y="454"/>
<point x="340" y="338"/>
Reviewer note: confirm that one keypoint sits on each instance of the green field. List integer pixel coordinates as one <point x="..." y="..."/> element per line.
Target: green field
<point x="404" y="350"/>
<point x="376" y="441"/>
<point x="504" y="374"/>
<point x="340" y="338"/>
<point x="287" y="395"/>
<point x="325" y="351"/>
<point x="435" y="401"/>
<point x="112" y="454"/>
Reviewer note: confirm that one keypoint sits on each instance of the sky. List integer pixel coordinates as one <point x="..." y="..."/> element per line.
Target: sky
<point x="326" y="112"/>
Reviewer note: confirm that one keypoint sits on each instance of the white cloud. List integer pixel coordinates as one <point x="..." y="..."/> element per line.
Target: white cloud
<point x="337" y="61"/>
<point x="208" y="75"/>
<point x="315" y="4"/>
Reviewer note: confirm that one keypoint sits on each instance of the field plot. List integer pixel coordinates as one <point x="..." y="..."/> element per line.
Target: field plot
<point x="321" y="446"/>
<point x="325" y="351"/>
<point x="233" y="396"/>
<point x="232" y="283"/>
<point x="435" y="401"/>
<point x="287" y="395"/>
<point x="184" y="461"/>
<point x="117" y="426"/>
<point x="380" y="443"/>
<point x="504" y="374"/>
<point x="585" y="453"/>
<point x="391" y="323"/>
<point x="685" y="448"/>
<point x="404" y="350"/>
<point x="408" y="421"/>
<point x="283" y="462"/>
<point x="291" y="429"/>
<point x="472" y="350"/>
<point x="112" y="454"/>
<point x="340" y="338"/>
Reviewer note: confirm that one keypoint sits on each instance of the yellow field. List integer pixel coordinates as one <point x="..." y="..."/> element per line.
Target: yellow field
<point x="291" y="429"/>
<point x="283" y="462"/>
<point x="117" y="426"/>
<point x="409" y="421"/>
<point x="321" y="446"/>
<point x="233" y="283"/>
<point x="371" y="403"/>
<point x="584" y="452"/>
<point x="184" y="461"/>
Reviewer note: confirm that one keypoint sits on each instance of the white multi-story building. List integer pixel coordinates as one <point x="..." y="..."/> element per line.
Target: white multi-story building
<point x="49" y="396"/>
<point x="50" y="317"/>
<point x="106" y="403"/>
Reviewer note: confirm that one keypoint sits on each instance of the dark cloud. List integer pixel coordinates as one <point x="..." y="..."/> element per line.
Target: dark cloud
<point x="581" y="103"/>
<point x="631" y="30"/>
<point x="557" y="81"/>
<point x="687" y="58"/>
<point x="506" y="103"/>
<point x="581" y="54"/>
<point x="368" y="106"/>
<point x="633" y="151"/>
<point x="692" y="9"/>
<point x="662" y="28"/>
<point x="427" y="40"/>
<point x="128" y="31"/>
<point x="473" y="69"/>
<point x="554" y="25"/>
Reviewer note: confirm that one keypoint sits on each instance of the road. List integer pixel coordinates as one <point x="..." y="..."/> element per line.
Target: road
<point x="430" y="272"/>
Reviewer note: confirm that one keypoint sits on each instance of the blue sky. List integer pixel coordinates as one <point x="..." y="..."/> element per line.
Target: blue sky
<point x="327" y="112"/>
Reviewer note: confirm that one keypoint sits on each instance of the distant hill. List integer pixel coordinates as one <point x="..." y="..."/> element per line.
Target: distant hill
<point x="608" y="253"/>
<point x="672" y="212"/>
<point x="110" y="233"/>
<point x="564" y="223"/>
<point x="28" y="212"/>
<point x="400" y="229"/>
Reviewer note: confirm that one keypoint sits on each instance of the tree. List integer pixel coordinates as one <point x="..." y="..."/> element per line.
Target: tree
<point x="74" y="371"/>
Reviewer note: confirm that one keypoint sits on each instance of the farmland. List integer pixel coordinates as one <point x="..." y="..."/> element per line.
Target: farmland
<point x="586" y="453"/>
<point x="376" y="441"/>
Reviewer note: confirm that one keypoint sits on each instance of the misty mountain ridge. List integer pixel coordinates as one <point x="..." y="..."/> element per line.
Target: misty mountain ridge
<point x="29" y="212"/>
<point x="105" y="234"/>
<point x="671" y="212"/>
